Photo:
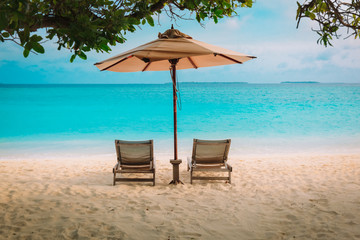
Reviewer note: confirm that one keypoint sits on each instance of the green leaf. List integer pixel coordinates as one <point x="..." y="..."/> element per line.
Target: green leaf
<point x="150" y="20"/>
<point x="86" y="48"/>
<point x="143" y="22"/>
<point x="38" y="48"/>
<point x="82" y="55"/>
<point x="120" y="40"/>
<point x="203" y="15"/>
<point x="189" y="5"/>
<point x="131" y="28"/>
<point x="26" y="34"/>
<point x="51" y="35"/>
<point x="206" y="3"/>
<point x="356" y="21"/>
<point x="218" y="12"/>
<point x="309" y="14"/>
<point x="22" y="38"/>
<point x="105" y="47"/>
<point x="312" y="16"/>
<point x="26" y="52"/>
<point x="36" y="38"/>
<point x="198" y="17"/>
<point x="72" y="58"/>
<point x="5" y="34"/>
<point x="247" y="3"/>
<point x="227" y="5"/>
<point x="323" y="7"/>
<point x="215" y="19"/>
<point x="28" y="46"/>
<point x="334" y="29"/>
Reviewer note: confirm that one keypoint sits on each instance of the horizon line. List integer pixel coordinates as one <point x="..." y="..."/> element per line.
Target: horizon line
<point x="147" y="83"/>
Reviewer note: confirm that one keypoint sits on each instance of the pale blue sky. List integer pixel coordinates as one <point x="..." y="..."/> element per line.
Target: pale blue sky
<point x="268" y="31"/>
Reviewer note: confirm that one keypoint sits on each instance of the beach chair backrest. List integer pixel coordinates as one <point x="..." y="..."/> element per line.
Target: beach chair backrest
<point x="134" y="152"/>
<point x="210" y="151"/>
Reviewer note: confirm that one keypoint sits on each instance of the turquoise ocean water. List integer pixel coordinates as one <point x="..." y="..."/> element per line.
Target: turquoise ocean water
<point x="260" y="118"/>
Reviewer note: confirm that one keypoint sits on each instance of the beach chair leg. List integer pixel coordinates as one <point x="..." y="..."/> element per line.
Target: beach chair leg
<point x="230" y="177"/>
<point x="191" y="173"/>
<point x="114" y="179"/>
<point x="154" y="178"/>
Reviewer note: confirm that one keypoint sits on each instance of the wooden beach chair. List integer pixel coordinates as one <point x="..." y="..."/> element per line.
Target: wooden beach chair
<point x="209" y="156"/>
<point x="134" y="157"/>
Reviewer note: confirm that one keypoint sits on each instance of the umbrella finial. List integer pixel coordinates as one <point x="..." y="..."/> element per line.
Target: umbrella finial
<point x="173" y="33"/>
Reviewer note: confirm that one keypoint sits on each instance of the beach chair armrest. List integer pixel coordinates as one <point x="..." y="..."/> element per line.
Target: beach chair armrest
<point x="116" y="167"/>
<point x="228" y="166"/>
<point x="189" y="163"/>
<point x="152" y="164"/>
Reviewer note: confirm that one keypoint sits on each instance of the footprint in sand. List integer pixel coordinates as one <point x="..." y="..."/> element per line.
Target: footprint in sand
<point x="351" y="223"/>
<point x="92" y="210"/>
<point x="331" y="212"/>
<point x="291" y="217"/>
<point x="189" y="235"/>
<point x="349" y="216"/>
<point x="322" y="201"/>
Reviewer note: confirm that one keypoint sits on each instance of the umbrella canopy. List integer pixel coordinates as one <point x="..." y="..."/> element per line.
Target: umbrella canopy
<point x="172" y="44"/>
<point x="172" y="50"/>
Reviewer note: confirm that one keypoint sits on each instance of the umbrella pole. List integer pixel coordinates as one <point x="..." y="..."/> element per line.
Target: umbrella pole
<point x="175" y="162"/>
<point x="175" y="110"/>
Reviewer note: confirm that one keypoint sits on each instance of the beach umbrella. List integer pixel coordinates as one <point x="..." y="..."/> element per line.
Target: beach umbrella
<point x="173" y="50"/>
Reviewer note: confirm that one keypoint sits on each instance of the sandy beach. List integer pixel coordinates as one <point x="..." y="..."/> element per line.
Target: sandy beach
<point x="271" y="197"/>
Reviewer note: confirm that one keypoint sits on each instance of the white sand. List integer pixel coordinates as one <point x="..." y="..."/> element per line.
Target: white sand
<point x="273" y="197"/>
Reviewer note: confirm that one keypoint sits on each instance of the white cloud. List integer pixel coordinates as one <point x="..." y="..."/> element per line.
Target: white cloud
<point x="233" y="23"/>
<point x="280" y="56"/>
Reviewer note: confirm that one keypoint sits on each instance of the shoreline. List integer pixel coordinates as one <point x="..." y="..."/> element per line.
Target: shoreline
<point x="163" y="148"/>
